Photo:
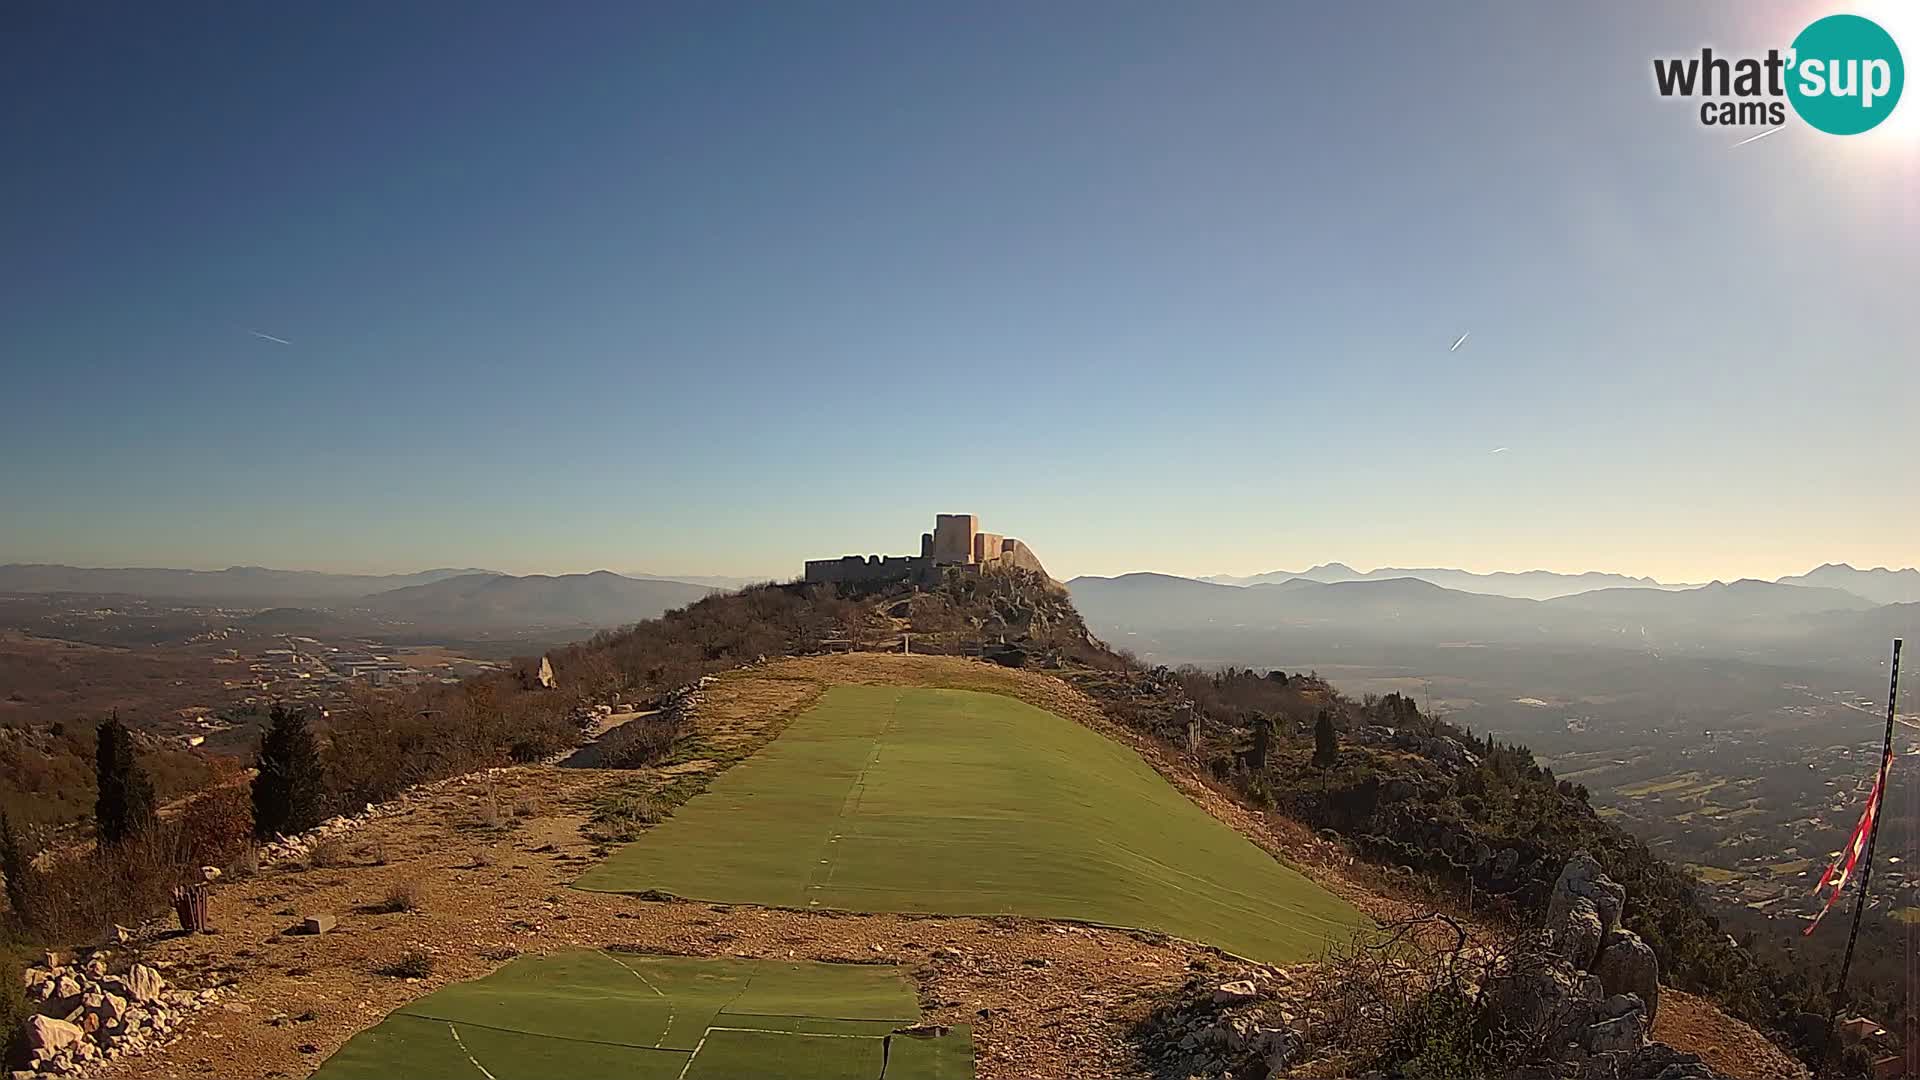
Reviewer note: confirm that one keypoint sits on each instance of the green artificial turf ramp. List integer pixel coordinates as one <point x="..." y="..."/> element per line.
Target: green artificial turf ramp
<point x="962" y="803"/>
<point x="618" y="1014"/>
<point x="740" y="1055"/>
<point x="420" y="1049"/>
<point x="949" y="1057"/>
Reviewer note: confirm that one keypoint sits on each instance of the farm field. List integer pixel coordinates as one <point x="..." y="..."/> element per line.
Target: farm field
<point x="916" y="800"/>
<point x="597" y="1013"/>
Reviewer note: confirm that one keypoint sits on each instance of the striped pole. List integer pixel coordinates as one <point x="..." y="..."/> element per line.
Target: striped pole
<point x="1873" y="834"/>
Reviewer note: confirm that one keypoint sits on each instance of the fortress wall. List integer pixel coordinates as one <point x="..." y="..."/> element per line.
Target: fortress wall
<point x="1015" y="553"/>
<point x="855" y="569"/>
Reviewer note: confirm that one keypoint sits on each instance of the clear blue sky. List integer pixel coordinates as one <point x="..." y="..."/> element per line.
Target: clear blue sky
<point x="718" y="287"/>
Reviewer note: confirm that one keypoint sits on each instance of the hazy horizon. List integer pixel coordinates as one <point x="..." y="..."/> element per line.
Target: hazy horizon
<point x="784" y="575"/>
<point x="1149" y="288"/>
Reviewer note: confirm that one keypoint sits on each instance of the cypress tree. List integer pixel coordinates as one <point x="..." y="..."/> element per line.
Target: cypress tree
<point x="1326" y="744"/>
<point x="287" y="797"/>
<point x="15" y="864"/>
<point x="125" y="805"/>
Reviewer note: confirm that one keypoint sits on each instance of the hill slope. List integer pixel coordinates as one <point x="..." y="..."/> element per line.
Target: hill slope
<point x="601" y="599"/>
<point x="235" y="584"/>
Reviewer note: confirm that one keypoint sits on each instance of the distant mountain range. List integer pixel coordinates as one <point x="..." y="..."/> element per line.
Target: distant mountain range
<point x="1735" y="619"/>
<point x="310" y="601"/>
<point x="718" y="581"/>
<point x="601" y="599"/>
<point x="239" y="585"/>
<point x="1879" y="585"/>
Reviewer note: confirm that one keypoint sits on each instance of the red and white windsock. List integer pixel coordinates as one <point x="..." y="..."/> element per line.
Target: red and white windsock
<point x="1841" y="870"/>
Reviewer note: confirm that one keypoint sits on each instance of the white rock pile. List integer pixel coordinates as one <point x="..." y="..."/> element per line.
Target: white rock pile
<point x="84" y="1015"/>
<point x="1232" y="1027"/>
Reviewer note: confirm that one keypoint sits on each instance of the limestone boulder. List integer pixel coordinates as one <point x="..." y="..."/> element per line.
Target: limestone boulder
<point x="45" y="1033"/>
<point x="1578" y="933"/>
<point x="1627" y="966"/>
<point x="146" y="983"/>
<point x="1583" y="878"/>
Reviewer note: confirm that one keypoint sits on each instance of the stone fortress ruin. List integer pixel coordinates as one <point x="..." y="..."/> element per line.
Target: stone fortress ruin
<point x="956" y="540"/>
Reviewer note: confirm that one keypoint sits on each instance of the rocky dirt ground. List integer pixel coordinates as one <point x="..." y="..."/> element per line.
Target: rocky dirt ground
<point x="486" y="863"/>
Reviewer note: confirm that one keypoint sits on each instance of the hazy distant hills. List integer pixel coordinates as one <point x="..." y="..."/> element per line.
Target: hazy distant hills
<point x="718" y="581"/>
<point x="240" y="585"/>
<point x="1157" y="601"/>
<point x="1744" y="599"/>
<point x="443" y="600"/>
<point x="601" y="599"/>
<point x="1527" y="585"/>
<point x="1741" y="618"/>
<point x="1880" y="585"/>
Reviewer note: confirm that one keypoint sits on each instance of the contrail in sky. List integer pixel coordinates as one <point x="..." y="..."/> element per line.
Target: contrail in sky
<point x="1455" y="347"/>
<point x="1756" y="138"/>
<point x="1498" y="450"/>
<point x="269" y="337"/>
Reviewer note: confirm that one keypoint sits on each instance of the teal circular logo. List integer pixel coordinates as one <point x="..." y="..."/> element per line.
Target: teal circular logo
<point x="1846" y="74"/>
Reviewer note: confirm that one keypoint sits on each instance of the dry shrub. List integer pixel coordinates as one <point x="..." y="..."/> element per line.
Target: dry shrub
<point x="645" y="741"/>
<point x="1415" y="1002"/>
<point x="525" y="807"/>
<point x="412" y="964"/>
<point x="329" y="854"/>
<point x="245" y="863"/>
<point x="217" y="825"/>
<point x="410" y="895"/>
<point x="80" y="898"/>
<point x="622" y="816"/>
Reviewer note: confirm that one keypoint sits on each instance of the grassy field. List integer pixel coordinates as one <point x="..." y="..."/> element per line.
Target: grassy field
<point x="954" y="802"/>
<point x="590" y="1014"/>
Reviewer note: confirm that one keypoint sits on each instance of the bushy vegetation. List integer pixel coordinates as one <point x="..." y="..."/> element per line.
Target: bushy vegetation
<point x="1398" y="807"/>
<point x="647" y="740"/>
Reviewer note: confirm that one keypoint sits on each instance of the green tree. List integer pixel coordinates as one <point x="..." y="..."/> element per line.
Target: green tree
<point x="1262" y="741"/>
<point x="124" y="807"/>
<point x="1326" y="744"/>
<point x="16" y="865"/>
<point x="287" y="791"/>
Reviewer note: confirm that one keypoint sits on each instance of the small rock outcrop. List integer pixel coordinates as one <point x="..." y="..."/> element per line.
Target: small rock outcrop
<point x="1589" y="989"/>
<point x="1225" y="1027"/>
<point x="1628" y="966"/>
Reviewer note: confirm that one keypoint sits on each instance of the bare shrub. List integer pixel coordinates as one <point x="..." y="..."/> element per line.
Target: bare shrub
<point x="216" y="825"/>
<point x="329" y="854"/>
<point x="245" y="863"/>
<point x="1415" y="1002"/>
<point x="412" y="964"/>
<point x="78" y="898"/>
<point x="647" y="740"/>
<point x="525" y="807"/>
<point x="622" y="816"/>
<point x="410" y="895"/>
